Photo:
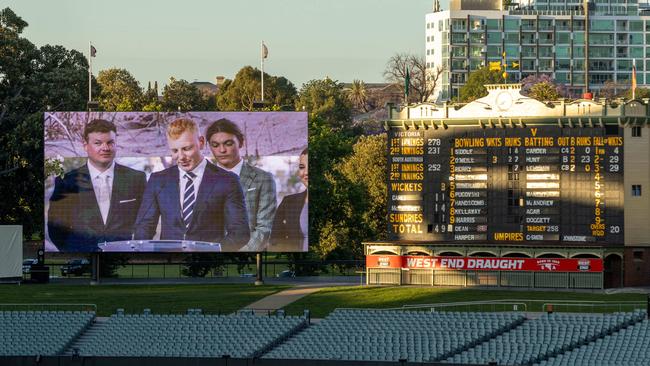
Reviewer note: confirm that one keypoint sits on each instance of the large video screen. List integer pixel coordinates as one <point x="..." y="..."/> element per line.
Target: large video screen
<point x="541" y="184"/>
<point x="176" y="182"/>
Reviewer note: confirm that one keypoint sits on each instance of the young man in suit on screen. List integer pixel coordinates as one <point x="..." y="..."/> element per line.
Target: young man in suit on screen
<point x="225" y="140"/>
<point x="194" y="199"/>
<point x="97" y="202"/>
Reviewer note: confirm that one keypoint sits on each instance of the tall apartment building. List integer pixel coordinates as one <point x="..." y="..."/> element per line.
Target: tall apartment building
<point x="543" y="37"/>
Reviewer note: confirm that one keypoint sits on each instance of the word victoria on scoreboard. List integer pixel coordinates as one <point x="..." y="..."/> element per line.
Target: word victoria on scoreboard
<point x="536" y="184"/>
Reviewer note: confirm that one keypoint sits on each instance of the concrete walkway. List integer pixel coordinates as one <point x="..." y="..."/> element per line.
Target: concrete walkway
<point x="286" y="297"/>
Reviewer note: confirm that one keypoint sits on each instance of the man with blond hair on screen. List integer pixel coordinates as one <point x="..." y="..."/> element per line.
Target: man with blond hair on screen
<point x="194" y="199"/>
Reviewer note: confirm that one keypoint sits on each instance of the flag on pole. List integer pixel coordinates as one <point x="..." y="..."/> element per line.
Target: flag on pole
<point x="93" y="51"/>
<point x="633" y="79"/>
<point x="265" y="51"/>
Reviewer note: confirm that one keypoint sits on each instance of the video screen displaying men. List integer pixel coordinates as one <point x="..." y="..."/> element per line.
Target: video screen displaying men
<point x="200" y="177"/>
<point x="96" y="202"/>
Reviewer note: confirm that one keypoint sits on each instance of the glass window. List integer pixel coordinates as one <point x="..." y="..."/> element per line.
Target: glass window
<point x="563" y="64"/>
<point x="545" y="24"/>
<point x="623" y="78"/>
<point x="602" y="25"/>
<point x="528" y="65"/>
<point x="578" y="51"/>
<point x="562" y="51"/>
<point x="603" y="38"/>
<point x="477" y="38"/>
<point x="579" y="38"/>
<point x="578" y="78"/>
<point x="445" y="37"/>
<point x="458" y="38"/>
<point x="563" y="24"/>
<point x="624" y="65"/>
<point x="563" y="38"/>
<point x="528" y="38"/>
<point x="458" y="25"/>
<point x="636" y="188"/>
<point x="579" y="64"/>
<point x="510" y="24"/>
<point x="528" y="24"/>
<point x="512" y="52"/>
<point x="636" y="38"/>
<point x="476" y="51"/>
<point x="458" y="51"/>
<point x="494" y="51"/>
<point x="546" y="38"/>
<point x="636" y="131"/>
<point x="545" y="65"/>
<point x="494" y="38"/>
<point x="458" y="64"/>
<point x="475" y="64"/>
<point x="562" y="77"/>
<point x="511" y="38"/>
<point x="528" y="51"/>
<point x="601" y="52"/>
<point x="494" y="24"/>
<point x="636" y="52"/>
<point x="546" y="51"/>
<point x="636" y="25"/>
<point x="621" y="25"/>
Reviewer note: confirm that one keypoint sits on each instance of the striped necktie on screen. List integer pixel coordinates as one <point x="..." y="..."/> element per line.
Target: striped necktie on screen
<point x="188" y="198"/>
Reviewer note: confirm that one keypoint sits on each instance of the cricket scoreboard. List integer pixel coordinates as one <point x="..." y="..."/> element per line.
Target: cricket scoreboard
<point x="533" y="184"/>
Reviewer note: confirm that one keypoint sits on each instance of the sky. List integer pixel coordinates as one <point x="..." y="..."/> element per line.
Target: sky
<point x="197" y="40"/>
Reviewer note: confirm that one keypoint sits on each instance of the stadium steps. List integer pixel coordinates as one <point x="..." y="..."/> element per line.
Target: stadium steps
<point x="614" y="331"/>
<point x="634" y="318"/>
<point x="94" y="329"/>
<point x="478" y="342"/>
<point x="281" y="340"/>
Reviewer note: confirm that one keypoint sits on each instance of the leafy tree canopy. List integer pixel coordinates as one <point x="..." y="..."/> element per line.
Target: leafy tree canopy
<point x="120" y="91"/>
<point x="240" y="93"/>
<point x="474" y="88"/>
<point x="325" y="100"/>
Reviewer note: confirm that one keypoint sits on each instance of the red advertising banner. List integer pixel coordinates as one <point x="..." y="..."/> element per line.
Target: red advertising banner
<point x="487" y="264"/>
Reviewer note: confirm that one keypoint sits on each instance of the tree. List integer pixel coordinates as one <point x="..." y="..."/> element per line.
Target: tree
<point x="31" y="80"/>
<point x="551" y="86"/>
<point x="423" y="79"/>
<point x="327" y="146"/>
<point x="359" y="193"/>
<point x="544" y="91"/>
<point x="640" y="93"/>
<point x="150" y="101"/>
<point x="120" y="91"/>
<point x="240" y="93"/>
<point x="474" y="88"/>
<point x="358" y="95"/>
<point x="608" y="90"/>
<point x="325" y="100"/>
<point x="181" y="95"/>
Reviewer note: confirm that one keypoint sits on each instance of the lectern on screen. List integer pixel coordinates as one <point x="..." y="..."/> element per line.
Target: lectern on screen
<point x="176" y="182"/>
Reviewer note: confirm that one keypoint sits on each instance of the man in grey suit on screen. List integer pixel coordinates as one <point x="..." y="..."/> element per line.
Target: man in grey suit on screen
<point x="225" y="140"/>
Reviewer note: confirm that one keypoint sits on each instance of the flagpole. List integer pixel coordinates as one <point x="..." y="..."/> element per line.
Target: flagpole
<point x="262" y="62"/>
<point x="90" y="71"/>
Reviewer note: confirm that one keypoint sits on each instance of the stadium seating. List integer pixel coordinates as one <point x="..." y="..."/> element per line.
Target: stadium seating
<point x="544" y="337"/>
<point x="26" y="333"/>
<point x="627" y="347"/>
<point x="380" y="335"/>
<point x="192" y="335"/>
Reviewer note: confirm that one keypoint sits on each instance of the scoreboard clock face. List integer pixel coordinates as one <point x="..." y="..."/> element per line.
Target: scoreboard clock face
<point x="540" y="184"/>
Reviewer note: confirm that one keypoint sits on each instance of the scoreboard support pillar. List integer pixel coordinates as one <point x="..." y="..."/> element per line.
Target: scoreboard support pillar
<point x="95" y="263"/>
<point x="259" y="280"/>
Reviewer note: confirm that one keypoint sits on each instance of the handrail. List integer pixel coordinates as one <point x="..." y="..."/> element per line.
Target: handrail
<point x="93" y="306"/>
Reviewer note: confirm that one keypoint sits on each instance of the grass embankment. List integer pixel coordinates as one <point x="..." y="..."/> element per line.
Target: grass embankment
<point x="323" y="302"/>
<point x="161" y="299"/>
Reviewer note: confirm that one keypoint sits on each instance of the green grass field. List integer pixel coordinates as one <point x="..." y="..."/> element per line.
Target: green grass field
<point x="134" y="298"/>
<point x="323" y="302"/>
